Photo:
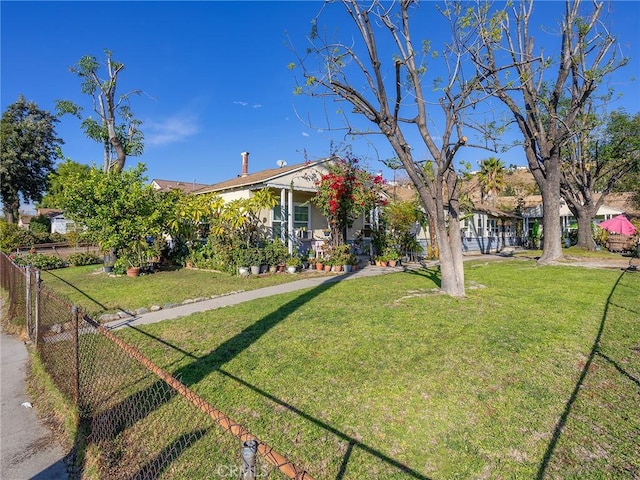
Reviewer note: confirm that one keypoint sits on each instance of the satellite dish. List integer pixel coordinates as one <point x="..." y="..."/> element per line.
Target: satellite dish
<point x="281" y="163"/>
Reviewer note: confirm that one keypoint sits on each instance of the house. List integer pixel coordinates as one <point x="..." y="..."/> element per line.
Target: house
<point x="24" y="221"/>
<point x="485" y="229"/>
<point x="60" y="224"/>
<point x="296" y="221"/>
<point x="567" y="220"/>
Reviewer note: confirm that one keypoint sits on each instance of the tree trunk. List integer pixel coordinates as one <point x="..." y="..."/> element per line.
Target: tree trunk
<point x="449" y="245"/>
<point x="584" y="214"/>
<point x="12" y="212"/>
<point x="551" y="228"/>
<point x="451" y="261"/>
<point x="8" y="215"/>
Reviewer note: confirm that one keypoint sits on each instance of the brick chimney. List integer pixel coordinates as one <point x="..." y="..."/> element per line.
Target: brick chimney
<point x="245" y="164"/>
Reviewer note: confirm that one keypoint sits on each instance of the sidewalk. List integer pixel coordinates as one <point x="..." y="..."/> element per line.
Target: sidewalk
<point x="28" y="449"/>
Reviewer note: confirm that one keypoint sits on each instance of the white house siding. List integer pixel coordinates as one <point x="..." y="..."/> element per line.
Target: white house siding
<point x="59" y="224"/>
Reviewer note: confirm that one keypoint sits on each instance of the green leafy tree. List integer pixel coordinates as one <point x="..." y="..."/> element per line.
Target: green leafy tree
<point x="27" y="154"/>
<point x="59" y="179"/>
<point x="116" y="128"/>
<point x="400" y="219"/>
<point x="602" y="153"/>
<point x="120" y="211"/>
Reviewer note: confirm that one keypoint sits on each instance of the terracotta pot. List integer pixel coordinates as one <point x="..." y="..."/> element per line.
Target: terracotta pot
<point x="319" y="266"/>
<point x="383" y="264"/>
<point x="327" y="268"/>
<point x="392" y="263"/>
<point x="133" y="271"/>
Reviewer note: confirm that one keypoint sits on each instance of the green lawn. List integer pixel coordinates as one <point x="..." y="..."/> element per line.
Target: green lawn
<point x="536" y="374"/>
<point x="97" y="292"/>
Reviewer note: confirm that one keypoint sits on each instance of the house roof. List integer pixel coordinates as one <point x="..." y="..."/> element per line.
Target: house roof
<point x="169" y="185"/>
<point x="494" y="212"/>
<point x="49" y="212"/>
<point x="258" y="179"/>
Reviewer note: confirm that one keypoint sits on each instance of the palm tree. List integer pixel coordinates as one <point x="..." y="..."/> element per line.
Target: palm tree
<point x="491" y="179"/>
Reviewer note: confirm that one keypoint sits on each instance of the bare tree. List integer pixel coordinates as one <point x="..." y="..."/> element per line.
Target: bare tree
<point x="390" y="91"/>
<point x="117" y="129"/>
<point x="511" y="68"/>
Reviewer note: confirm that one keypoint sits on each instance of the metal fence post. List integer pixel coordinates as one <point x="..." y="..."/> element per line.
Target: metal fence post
<point x="248" y="470"/>
<point x="27" y="311"/>
<point x="76" y="354"/>
<point x="37" y="308"/>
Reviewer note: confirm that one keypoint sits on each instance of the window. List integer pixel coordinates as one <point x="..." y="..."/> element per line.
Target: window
<point x="300" y="219"/>
<point x="367" y="224"/>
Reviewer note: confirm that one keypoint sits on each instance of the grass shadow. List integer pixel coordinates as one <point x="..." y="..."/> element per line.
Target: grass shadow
<point x="110" y="423"/>
<point x="431" y="272"/>
<point x="562" y="421"/>
<point x="88" y="297"/>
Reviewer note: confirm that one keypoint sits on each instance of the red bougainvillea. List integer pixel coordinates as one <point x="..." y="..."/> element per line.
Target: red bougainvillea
<point x="345" y="193"/>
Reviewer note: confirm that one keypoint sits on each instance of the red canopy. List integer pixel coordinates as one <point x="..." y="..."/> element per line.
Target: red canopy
<point x="620" y="225"/>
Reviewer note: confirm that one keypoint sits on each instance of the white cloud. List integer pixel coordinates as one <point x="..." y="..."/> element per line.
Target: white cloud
<point x="242" y="104"/>
<point x="257" y="105"/>
<point x="305" y="134"/>
<point x="170" y="130"/>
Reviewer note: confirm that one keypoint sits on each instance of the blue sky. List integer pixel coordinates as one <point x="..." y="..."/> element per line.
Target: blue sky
<point x="214" y="77"/>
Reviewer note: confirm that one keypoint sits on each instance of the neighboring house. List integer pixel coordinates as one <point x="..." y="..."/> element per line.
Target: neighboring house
<point x="567" y="220"/>
<point x="169" y="185"/>
<point x="60" y="224"/>
<point x="24" y="221"/>
<point x="486" y="229"/>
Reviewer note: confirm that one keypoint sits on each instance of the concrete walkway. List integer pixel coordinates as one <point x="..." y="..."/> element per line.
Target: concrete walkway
<point x="236" y="298"/>
<point x="28" y="449"/>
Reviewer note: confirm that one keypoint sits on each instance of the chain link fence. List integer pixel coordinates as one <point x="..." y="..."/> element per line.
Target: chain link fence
<point x="144" y="422"/>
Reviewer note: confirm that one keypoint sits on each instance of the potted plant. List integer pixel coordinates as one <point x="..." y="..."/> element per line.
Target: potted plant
<point x="391" y="256"/>
<point x="135" y="255"/>
<point x="109" y="261"/>
<point x="276" y="253"/>
<point x="242" y="258"/>
<point x="381" y="261"/>
<point x="349" y="262"/>
<point x="328" y="263"/>
<point x="293" y="262"/>
<point x="255" y="260"/>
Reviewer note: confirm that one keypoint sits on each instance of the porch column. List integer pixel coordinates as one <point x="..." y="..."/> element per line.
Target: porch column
<point x="290" y="219"/>
<point x="283" y="209"/>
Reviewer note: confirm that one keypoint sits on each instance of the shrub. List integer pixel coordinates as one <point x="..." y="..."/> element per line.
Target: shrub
<point x="79" y="259"/>
<point x="40" y="225"/>
<point x="41" y="261"/>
